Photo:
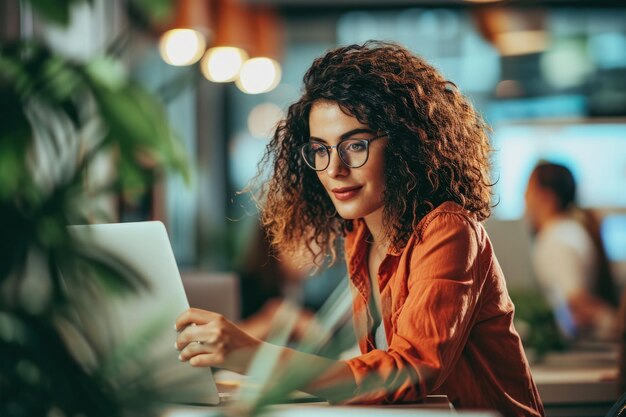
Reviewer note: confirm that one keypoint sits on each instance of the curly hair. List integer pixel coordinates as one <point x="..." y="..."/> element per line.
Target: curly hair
<point x="438" y="147"/>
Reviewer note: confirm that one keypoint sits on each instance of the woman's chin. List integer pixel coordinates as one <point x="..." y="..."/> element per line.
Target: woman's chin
<point x="347" y="214"/>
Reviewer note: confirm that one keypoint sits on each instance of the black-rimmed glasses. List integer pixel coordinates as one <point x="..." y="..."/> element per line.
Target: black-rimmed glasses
<point x="352" y="152"/>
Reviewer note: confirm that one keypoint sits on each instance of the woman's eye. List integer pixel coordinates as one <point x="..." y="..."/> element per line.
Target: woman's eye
<point x="355" y="147"/>
<point x="318" y="149"/>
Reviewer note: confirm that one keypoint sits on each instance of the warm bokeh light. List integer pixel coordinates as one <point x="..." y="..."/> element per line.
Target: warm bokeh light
<point x="566" y="64"/>
<point x="509" y="89"/>
<point x="263" y="119"/>
<point x="222" y="64"/>
<point x="521" y="42"/>
<point x="259" y="75"/>
<point x="181" y="47"/>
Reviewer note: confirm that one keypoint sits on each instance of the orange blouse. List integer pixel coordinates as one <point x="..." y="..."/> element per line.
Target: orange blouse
<point x="448" y="320"/>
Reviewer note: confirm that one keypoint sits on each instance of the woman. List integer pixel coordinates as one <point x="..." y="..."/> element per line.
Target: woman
<point x="383" y="150"/>
<point x="568" y="256"/>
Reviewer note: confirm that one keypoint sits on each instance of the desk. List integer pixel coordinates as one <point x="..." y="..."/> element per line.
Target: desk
<point x="324" y="410"/>
<point x="577" y="384"/>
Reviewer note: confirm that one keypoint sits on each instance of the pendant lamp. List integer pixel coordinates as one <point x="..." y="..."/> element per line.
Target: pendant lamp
<point x="262" y="73"/>
<point x="222" y="62"/>
<point x="186" y="41"/>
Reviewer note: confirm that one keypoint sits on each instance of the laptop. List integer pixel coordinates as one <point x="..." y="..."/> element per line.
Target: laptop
<point x="145" y="321"/>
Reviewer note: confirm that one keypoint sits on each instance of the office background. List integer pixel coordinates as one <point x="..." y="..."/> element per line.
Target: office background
<point x="550" y="78"/>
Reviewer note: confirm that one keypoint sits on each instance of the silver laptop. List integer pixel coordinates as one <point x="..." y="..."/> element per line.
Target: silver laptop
<point x="148" y="318"/>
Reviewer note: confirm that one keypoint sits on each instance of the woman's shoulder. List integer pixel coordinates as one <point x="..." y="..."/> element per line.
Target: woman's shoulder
<point x="448" y="224"/>
<point x="448" y="242"/>
<point x="447" y="215"/>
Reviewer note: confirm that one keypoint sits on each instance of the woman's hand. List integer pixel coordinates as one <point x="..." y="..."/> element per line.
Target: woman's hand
<point x="208" y="339"/>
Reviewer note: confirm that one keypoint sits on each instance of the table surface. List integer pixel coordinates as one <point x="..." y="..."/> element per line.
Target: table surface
<point x="577" y="378"/>
<point x="323" y="409"/>
<point x="570" y="378"/>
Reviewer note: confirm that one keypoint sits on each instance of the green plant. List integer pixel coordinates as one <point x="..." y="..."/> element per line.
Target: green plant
<point x="59" y="117"/>
<point x="536" y="323"/>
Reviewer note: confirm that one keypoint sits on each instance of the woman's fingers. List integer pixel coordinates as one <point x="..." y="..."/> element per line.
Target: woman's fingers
<point x="199" y="325"/>
<point x="208" y="340"/>
<point x="196" y="316"/>
<point x="207" y="334"/>
<point x="193" y="349"/>
<point x="207" y="359"/>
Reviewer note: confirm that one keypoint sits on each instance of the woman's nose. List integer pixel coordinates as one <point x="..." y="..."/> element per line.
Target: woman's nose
<point x="336" y="167"/>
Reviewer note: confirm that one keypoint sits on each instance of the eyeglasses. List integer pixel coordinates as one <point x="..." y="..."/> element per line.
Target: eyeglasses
<point x="352" y="152"/>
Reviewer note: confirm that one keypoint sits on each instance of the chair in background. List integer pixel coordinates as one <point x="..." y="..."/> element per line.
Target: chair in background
<point x="213" y="291"/>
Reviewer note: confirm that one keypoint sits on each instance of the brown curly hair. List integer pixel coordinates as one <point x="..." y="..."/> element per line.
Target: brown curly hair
<point x="438" y="148"/>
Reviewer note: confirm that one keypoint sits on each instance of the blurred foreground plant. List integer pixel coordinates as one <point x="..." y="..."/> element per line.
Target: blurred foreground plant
<point x="73" y="136"/>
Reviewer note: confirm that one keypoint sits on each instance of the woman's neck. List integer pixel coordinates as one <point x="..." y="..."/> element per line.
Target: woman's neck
<point x="374" y="223"/>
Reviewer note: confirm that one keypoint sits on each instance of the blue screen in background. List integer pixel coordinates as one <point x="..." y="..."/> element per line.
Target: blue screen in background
<point x="595" y="152"/>
<point x="613" y="231"/>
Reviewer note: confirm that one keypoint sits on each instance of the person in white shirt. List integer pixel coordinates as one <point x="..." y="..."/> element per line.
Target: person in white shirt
<point x="568" y="257"/>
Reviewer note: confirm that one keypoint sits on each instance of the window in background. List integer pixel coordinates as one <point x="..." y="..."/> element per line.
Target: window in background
<point x="447" y="38"/>
<point x="180" y="206"/>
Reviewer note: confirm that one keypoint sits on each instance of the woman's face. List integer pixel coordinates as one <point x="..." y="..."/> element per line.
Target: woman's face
<point x="532" y="198"/>
<point x="540" y="202"/>
<point x="355" y="192"/>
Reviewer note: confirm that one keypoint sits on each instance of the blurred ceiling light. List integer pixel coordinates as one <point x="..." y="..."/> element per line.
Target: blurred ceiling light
<point x="186" y="41"/>
<point x="224" y="60"/>
<point x="263" y="119"/>
<point x="181" y="47"/>
<point x="513" y="31"/>
<point x="509" y="89"/>
<point x="262" y="73"/>
<point x="259" y="75"/>
<point x="521" y="42"/>
<point x="223" y="63"/>
<point x="483" y="1"/>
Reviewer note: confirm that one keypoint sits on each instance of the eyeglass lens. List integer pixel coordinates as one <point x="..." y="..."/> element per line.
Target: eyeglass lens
<point x="353" y="153"/>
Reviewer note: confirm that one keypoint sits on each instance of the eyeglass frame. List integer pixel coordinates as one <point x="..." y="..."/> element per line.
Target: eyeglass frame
<point x="329" y="148"/>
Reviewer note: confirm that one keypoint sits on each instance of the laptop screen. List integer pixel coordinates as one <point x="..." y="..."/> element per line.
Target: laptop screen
<point x="137" y="330"/>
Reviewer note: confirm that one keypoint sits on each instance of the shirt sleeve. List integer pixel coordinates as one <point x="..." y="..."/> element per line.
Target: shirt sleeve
<point x="434" y="323"/>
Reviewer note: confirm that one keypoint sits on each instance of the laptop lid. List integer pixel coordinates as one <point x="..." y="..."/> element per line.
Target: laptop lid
<point x="148" y="317"/>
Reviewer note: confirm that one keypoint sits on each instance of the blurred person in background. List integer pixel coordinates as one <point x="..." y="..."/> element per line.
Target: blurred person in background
<point x="568" y="256"/>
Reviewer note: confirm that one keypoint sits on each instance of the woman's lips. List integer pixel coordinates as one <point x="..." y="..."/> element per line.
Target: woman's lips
<point x="346" y="193"/>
